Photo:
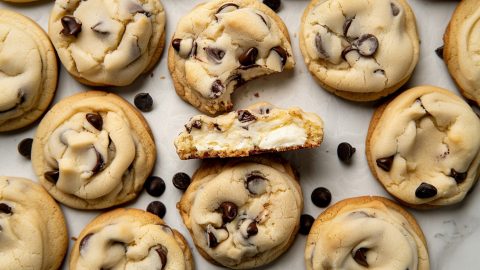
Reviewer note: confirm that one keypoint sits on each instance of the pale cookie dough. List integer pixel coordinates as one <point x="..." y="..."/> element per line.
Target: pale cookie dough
<point x="360" y="50"/>
<point x="130" y="239"/>
<point x="33" y="234"/>
<point x="28" y="71"/>
<point x="243" y="213"/>
<point x="108" y="42"/>
<point x="258" y="128"/>
<point x="220" y="45"/>
<point x="462" y="48"/>
<point x="424" y="147"/>
<point x="93" y="150"/>
<point x="366" y="233"/>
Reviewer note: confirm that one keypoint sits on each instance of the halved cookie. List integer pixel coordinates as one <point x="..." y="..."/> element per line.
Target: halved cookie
<point x="28" y="67"/>
<point x="243" y="213"/>
<point x="256" y="129"/>
<point x="220" y="45"/>
<point x="360" y="50"/>
<point x="33" y="234"/>
<point x="366" y="233"/>
<point x="423" y="147"/>
<point x="93" y="150"/>
<point x="130" y="239"/>
<point x="108" y="42"/>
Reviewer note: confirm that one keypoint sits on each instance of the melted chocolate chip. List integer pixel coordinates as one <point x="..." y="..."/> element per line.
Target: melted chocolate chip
<point x="95" y="120"/>
<point x="379" y="71"/>
<point x="345" y="152"/>
<point x="162" y="252"/>
<point x="252" y="229"/>
<point x="439" y="51"/>
<point x="5" y="209"/>
<point x="157" y="208"/>
<point x="25" y="147"/>
<point x="212" y="241"/>
<point x="385" y="163"/>
<point x="217" y="89"/>
<point x="366" y="44"/>
<point x="84" y="242"/>
<point x="71" y="26"/>
<point x="245" y="116"/>
<point x="347" y="50"/>
<point x="100" y="163"/>
<point x="282" y="53"/>
<point x="321" y="197"/>
<point x="248" y="57"/>
<point x="255" y="182"/>
<point x="52" y="176"/>
<point x="176" y="44"/>
<point x="360" y="256"/>
<point x="395" y="9"/>
<point x="181" y="181"/>
<point x="346" y="25"/>
<point x="306" y="223"/>
<point x="144" y="102"/>
<point x="319" y="46"/>
<point x="195" y="124"/>
<point x="217" y="127"/>
<point x="273" y="4"/>
<point x="99" y="29"/>
<point x="227" y="7"/>
<point x="155" y="186"/>
<point x="229" y="211"/>
<point x="215" y="54"/>
<point x="425" y="191"/>
<point x="458" y="176"/>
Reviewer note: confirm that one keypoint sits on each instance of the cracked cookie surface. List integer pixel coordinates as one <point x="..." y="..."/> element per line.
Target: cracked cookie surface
<point x="33" y="234"/>
<point x="220" y="45"/>
<point x="93" y="150"/>
<point x="462" y="48"/>
<point x="360" y="50"/>
<point x="259" y="128"/>
<point x="130" y="239"/>
<point x="366" y="232"/>
<point x="28" y="71"/>
<point x="111" y="46"/>
<point x="423" y="147"/>
<point x="243" y="213"/>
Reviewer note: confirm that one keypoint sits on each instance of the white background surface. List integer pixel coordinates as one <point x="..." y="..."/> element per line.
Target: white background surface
<point x="452" y="233"/>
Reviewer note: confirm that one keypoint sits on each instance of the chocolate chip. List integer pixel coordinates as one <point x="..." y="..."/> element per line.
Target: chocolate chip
<point x="248" y="57"/>
<point x="252" y="229"/>
<point x="425" y="191"/>
<point x="345" y="152"/>
<point x="84" y="242"/>
<point x="360" y="257"/>
<point x="379" y="71"/>
<point x="212" y="241"/>
<point x="228" y="7"/>
<point x="255" y="182"/>
<point x="99" y="28"/>
<point x="366" y="44"/>
<point x="162" y="252"/>
<point x="71" y="26"/>
<point x="195" y="124"/>
<point x="439" y="51"/>
<point x="395" y="9"/>
<point x="385" y="163"/>
<point x="143" y="102"/>
<point x="273" y="4"/>
<point x="52" y="176"/>
<point x="346" y="25"/>
<point x="263" y="20"/>
<point x="217" y="127"/>
<point x="157" y="208"/>
<point x="458" y="176"/>
<point x="100" y="163"/>
<point x="155" y="186"/>
<point x="176" y="44"/>
<point x="215" y="54"/>
<point x="181" y="181"/>
<point x="25" y="147"/>
<point x="321" y="197"/>
<point x="319" y="46"/>
<point x="217" y="89"/>
<point x="245" y="116"/>
<point x="95" y="120"/>
<point x="282" y="53"/>
<point x="229" y="211"/>
<point x="306" y="223"/>
<point x="347" y="50"/>
<point x="4" y="208"/>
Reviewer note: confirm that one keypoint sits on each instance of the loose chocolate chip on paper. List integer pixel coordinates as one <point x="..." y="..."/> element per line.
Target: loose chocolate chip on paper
<point x="425" y="191"/>
<point x="143" y="102"/>
<point x="306" y="223"/>
<point x="157" y="208"/>
<point x="181" y="181"/>
<point x="321" y="197"/>
<point x="345" y="152"/>
<point x="71" y="26"/>
<point x="25" y="147"/>
<point x="155" y="186"/>
<point x="439" y="51"/>
<point x="95" y="120"/>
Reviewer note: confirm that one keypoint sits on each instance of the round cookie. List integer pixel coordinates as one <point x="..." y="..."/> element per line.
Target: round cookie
<point x="130" y="239"/>
<point x="360" y="50"/>
<point x="243" y="213"/>
<point x="366" y="232"/>
<point x="28" y="66"/>
<point x="220" y="45"/>
<point x="461" y="50"/>
<point x="423" y="147"/>
<point x="93" y="150"/>
<point x="33" y="234"/>
<point x="111" y="46"/>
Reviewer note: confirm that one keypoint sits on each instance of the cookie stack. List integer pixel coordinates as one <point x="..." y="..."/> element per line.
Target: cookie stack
<point x="244" y="205"/>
